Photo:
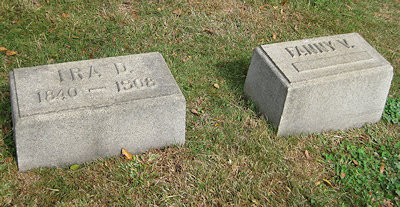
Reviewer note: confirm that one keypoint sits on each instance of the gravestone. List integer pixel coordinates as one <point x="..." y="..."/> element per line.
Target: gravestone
<point x="312" y="85"/>
<point x="78" y="111"/>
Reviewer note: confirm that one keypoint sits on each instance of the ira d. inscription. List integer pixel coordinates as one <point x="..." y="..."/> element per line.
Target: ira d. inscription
<point x="78" y="111"/>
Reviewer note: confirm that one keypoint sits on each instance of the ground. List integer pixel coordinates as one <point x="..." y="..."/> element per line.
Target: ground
<point x="232" y="155"/>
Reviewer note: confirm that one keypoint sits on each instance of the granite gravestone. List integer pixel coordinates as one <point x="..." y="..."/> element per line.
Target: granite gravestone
<point x="326" y="83"/>
<point x="79" y="111"/>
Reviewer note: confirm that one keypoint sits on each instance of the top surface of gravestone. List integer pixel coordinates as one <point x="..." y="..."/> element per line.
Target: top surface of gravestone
<point x="307" y="59"/>
<point x="98" y="82"/>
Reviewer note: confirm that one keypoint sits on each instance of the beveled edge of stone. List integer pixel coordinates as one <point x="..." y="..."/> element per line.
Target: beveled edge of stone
<point x="14" y="92"/>
<point x="296" y="77"/>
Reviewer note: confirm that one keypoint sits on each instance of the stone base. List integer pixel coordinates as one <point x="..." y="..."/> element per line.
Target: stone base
<point x="328" y="83"/>
<point x="79" y="111"/>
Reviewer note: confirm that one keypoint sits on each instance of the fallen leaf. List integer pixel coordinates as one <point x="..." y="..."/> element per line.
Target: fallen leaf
<point x="2" y="49"/>
<point x="281" y="11"/>
<point x="194" y="111"/>
<point x="317" y="183"/>
<point x="50" y="60"/>
<point x="178" y="12"/>
<point x="307" y="155"/>
<point x="15" y="21"/>
<point x="327" y="182"/>
<point x="284" y="2"/>
<point x="209" y="31"/>
<point x="53" y="189"/>
<point x="216" y="124"/>
<point x="342" y="175"/>
<point x="75" y="37"/>
<point x="349" y="7"/>
<point x="10" y="53"/>
<point x="274" y="35"/>
<point x="128" y="155"/>
<point x="64" y="15"/>
<point x="387" y="203"/>
<point x="158" y="9"/>
<point x="9" y="159"/>
<point x="382" y="168"/>
<point x="216" y="85"/>
<point x="75" y="167"/>
<point x="355" y="162"/>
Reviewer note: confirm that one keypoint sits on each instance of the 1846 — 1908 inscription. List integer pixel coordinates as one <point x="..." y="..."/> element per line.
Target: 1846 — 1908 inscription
<point x="79" y="111"/>
<point x="311" y="85"/>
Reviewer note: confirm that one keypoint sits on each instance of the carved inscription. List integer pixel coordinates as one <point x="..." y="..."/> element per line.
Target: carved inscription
<point x="58" y="94"/>
<point x="75" y="74"/>
<point x="136" y="83"/>
<point x="318" y="48"/>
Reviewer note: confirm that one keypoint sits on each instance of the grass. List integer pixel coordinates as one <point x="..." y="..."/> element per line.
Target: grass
<point x="238" y="161"/>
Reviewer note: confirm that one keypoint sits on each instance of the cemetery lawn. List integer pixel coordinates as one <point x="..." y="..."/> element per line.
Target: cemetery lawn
<point x="232" y="156"/>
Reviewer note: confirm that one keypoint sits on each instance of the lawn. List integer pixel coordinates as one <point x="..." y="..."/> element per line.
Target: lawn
<point x="232" y="155"/>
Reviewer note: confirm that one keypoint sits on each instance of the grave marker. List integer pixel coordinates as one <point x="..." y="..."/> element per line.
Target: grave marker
<point x="325" y="83"/>
<point x="78" y="111"/>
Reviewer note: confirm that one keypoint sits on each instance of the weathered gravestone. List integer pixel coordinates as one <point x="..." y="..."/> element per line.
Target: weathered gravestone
<point x="326" y="83"/>
<point x="79" y="111"/>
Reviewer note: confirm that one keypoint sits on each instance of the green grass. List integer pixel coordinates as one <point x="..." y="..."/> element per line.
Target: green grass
<point x="238" y="162"/>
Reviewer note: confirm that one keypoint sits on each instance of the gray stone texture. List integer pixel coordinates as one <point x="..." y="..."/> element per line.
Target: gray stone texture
<point x="312" y="85"/>
<point x="78" y="111"/>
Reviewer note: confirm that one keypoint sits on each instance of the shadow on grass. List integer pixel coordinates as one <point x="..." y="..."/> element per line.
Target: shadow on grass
<point x="234" y="72"/>
<point x="6" y="121"/>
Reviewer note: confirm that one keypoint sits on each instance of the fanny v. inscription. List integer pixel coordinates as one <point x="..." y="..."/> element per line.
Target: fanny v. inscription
<point x="318" y="48"/>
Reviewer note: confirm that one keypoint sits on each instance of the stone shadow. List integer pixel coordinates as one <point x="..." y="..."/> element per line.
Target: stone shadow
<point x="234" y="73"/>
<point x="9" y="148"/>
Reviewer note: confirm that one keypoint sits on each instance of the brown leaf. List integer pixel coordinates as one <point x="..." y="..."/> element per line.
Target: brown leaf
<point x="209" y="31"/>
<point x="342" y="175"/>
<point x="284" y="2"/>
<point x="349" y="7"/>
<point x="274" y="35"/>
<point x="65" y="15"/>
<point x="355" y="162"/>
<point x="327" y="182"/>
<point x="2" y="49"/>
<point x="387" y="203"/>
<point x="216" y="85"/>
<point x="194" y="111"/>
<point x="382" y="168"/>
<point x="307" y="155"/>
<point x="10" y="53"/>
<point x="178" y="12"/>
<point x="128" y="155"/>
